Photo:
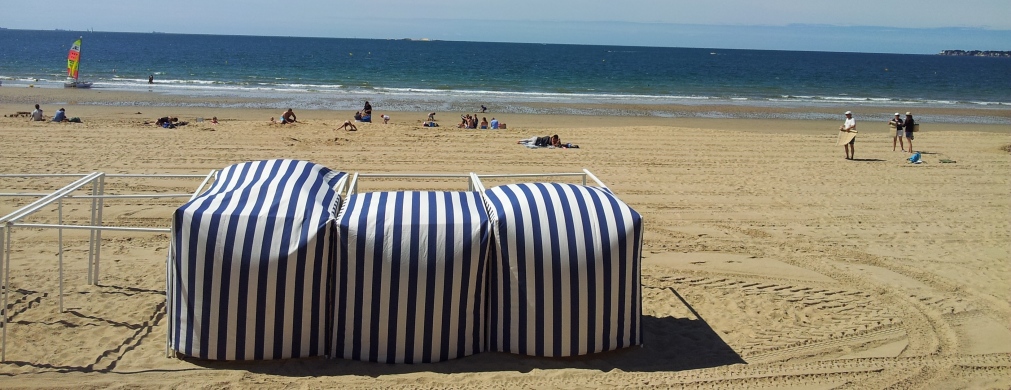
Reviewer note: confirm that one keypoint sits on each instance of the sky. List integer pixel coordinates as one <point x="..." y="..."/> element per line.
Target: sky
<point x="879" y="26"/>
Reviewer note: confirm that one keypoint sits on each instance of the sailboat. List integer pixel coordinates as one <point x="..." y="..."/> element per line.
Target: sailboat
<point x="73" y="62"/>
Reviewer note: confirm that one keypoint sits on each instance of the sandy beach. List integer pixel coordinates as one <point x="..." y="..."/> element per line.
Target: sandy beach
<point x="770" y="261"/>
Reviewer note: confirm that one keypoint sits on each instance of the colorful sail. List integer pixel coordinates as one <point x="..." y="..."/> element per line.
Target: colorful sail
<point x="74" y="59"/>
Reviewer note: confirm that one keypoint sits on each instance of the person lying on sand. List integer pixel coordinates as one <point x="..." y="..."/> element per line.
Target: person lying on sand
<point x="545" y="142"/>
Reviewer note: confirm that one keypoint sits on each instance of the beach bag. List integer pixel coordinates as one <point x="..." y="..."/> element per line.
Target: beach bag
<point x="915" y="158"/>
<point x="916" y="127"/>
<point x="74" y="120"/>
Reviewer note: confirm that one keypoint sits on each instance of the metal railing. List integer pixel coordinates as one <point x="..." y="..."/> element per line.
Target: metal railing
<point x="95" y="227"/>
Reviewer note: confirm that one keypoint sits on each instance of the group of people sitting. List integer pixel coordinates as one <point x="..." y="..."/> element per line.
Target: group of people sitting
<point x="359" y="117"/>
<point x="365" y="115"/>
<point x="61" y="116"/>
<point x="470" y="122"/>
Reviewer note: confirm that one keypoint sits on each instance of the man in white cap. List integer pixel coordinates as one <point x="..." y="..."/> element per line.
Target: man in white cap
<point x="896" y="123"/>
<point x="850" y="126"/>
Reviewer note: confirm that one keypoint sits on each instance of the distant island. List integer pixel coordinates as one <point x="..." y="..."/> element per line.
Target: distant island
<point x="975" y="53"/>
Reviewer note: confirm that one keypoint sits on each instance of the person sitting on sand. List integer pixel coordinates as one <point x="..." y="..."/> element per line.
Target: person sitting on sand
<point x="358" y="116"/>
<point x="288" y="117"/>
<point x="61" y="116"/>
<point x="167" y="122"/>
<point x="214" y="120"/>
<point x="349" y="126"/>
<point x="37" y="114"/>
<point x="484" y="122"/>
<point x="494" y="123"/>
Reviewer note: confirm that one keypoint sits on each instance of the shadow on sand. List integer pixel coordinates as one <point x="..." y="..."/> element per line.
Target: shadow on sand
<point x="670" y="344"/>
<point x="868" y="159"/>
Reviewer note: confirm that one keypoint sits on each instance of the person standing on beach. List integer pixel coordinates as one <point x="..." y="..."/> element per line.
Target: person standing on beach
<point x="368" y="109"/>
<point x="850" y="126"/>
<point x="909" y="126"/>
<point x="897" y="124"/>
<point x="150" y="79"/>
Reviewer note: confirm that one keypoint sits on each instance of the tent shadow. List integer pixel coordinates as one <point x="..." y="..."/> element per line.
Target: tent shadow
<point x="670" y="344"/>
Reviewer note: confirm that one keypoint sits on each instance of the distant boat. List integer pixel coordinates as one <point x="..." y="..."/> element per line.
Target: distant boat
<point x="73" y="62"/>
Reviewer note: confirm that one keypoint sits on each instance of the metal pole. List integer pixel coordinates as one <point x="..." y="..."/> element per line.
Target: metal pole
<point x="98" y="234"/>
<point x="60" y="208"/>
<point x="91" y="235"/>
<point x="3" y="257"/>
<point x="7" y="287"/>
<point x="90" y="227"/>
<point x="168" y="282"/>
<point x="594" y="177"/>
<point x="208" y="178"/>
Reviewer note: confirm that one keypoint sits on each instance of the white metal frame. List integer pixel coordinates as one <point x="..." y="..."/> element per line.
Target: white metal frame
<point x="474" y="180"/>
<point x="97" y="182"/>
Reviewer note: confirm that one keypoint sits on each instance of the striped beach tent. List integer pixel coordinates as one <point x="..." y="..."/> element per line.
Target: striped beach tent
<point x="564" y="277"/>
<point x="410" y="276"/>
<point x="250" y="261"/>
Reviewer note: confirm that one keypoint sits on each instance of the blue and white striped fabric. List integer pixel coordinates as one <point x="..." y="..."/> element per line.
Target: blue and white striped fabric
<point x="564" y="278"/>
<point x="410" y="277"/>
<point x="251" y="260"/>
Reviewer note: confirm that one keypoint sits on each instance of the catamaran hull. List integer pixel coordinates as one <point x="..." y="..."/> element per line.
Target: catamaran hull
<point x="77" y="84"/>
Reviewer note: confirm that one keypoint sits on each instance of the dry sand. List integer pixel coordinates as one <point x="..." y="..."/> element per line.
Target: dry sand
<point x="770" y="260"/>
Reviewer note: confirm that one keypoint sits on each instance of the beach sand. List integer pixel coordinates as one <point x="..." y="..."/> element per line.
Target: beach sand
<point x="770" y="261"/>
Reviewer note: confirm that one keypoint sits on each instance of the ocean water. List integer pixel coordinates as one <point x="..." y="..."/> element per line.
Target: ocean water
<point x="339" y="74"/>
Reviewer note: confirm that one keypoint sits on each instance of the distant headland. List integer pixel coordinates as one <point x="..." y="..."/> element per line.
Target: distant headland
<point x="975" y="53"/>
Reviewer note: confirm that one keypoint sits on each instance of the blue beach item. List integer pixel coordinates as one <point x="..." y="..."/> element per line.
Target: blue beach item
<point x="250" y="262"/>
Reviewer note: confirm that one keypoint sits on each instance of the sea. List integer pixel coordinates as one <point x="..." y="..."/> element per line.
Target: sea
<point x="431" y="76"/>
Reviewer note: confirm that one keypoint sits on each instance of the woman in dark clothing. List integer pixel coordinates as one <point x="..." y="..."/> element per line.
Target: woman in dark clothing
<point x="909" y="126"/>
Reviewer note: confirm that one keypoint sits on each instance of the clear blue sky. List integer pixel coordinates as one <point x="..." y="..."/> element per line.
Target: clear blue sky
<point x="903" y="26"/>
